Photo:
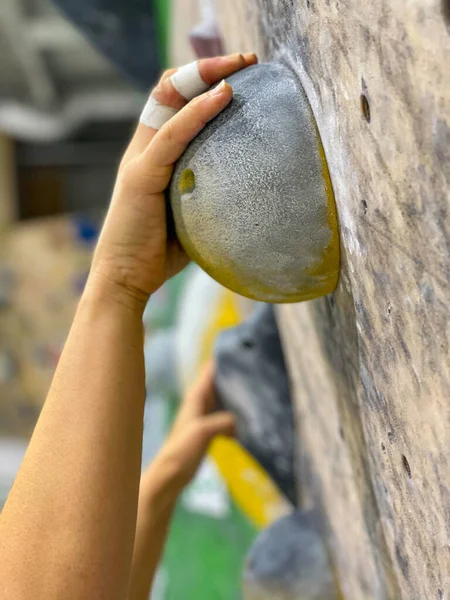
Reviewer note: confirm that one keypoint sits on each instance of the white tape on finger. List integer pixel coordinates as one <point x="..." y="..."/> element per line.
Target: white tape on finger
<point x="188" y="82"/>
<point x="155" y="114"/>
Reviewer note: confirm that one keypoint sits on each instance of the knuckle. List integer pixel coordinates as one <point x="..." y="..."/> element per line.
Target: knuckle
<point x="133" y="178"/>
<point x="166" y="94"/>
<point x="168" y="73"/>
<point x="129" y="174"/>
<point x="126" y="171"/>
<point x="171" y="132"/>
<point x="200" y="429"/>
<point x="151" y="180"/>
<point x="165" y="75"/>
<point x="197" y="110"/>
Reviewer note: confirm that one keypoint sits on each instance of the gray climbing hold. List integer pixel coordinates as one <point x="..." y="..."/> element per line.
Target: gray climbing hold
<point x="251" y="197"/>
<point x="252" y="382"/>
<point x="288" y="561"/>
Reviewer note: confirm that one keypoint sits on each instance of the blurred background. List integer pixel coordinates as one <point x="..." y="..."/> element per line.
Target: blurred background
<point x="74" y="75"/>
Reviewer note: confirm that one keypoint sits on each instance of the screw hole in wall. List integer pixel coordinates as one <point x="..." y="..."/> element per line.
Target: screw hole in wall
<point x="445" y="8"/>
<point x="365" y="107"/>
<point x="406" y="466"/>
<point x="364" y="205"/>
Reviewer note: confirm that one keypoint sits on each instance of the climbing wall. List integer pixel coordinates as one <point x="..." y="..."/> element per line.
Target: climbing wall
<point x="370" y="364"/>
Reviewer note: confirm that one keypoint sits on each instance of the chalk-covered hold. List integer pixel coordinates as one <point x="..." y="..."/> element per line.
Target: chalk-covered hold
<point x="288" y="561"/>
<point x="252" y="382"/>
<point x="252" y="198"/>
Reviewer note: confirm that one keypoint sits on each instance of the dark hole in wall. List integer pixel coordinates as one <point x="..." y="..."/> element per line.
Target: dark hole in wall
<point x="406" y="466"/>
<point x="445" y="8"/>
<point x="365" y="107"/>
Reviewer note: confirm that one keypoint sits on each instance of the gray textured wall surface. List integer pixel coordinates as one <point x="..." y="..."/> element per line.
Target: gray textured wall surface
<point x="370" y="364"/>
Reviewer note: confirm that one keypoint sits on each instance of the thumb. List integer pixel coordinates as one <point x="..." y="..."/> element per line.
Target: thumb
<point x="220" y="423"/>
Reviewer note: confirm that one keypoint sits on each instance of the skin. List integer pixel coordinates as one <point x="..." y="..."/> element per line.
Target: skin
<point x="71" y="527"/>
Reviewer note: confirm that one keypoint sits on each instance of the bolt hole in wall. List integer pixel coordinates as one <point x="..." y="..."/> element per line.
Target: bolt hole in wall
<point x="365" y="107"/>
<point x="406" y="466"/>
<point x="445" y="7"/>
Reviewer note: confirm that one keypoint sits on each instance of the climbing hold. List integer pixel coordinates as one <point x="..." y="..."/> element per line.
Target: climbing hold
<point x="288" y="561"/>
<point x="252" y="382"/>
<point x="251" y="197"/>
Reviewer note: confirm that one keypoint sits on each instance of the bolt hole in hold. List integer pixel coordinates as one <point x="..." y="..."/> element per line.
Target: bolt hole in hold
<point x="406" y="466"/>
<point x="186" y="183"/>
<point x="365" y="107"/>
<point x="248" y="344"/>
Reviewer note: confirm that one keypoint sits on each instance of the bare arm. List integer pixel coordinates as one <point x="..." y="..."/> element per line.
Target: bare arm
<point x="173" y="468"/>
<point x="68" y="527"/>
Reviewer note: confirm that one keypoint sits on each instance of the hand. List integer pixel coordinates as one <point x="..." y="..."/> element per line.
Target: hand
<point x="134" y="254"/>
<point x="195" y="426"/>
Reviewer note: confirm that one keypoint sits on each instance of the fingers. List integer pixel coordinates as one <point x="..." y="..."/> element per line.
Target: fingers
<point x="213" y="70"/>
<point x="171" y="141"/>
<point x="178" y="86"/>
<point x="221" y="423"/>
<point x="200" y="399"/>
<point x="194" y="79"/>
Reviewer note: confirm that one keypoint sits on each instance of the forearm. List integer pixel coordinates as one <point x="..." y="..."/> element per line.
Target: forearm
<point x="157" y="501"/>
<point x="67" y="529"/>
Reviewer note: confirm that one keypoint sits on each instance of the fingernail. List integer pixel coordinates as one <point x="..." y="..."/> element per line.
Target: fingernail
<point x="250" y="57"/>
<point x="219" y="89"/>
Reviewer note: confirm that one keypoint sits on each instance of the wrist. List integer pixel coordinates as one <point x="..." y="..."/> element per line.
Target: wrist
<point x="103" y="290"/>
<point x="160" y="484"/>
